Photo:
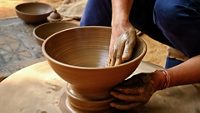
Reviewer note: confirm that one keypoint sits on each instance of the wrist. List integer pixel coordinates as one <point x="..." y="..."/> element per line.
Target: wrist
<point x="122" y="26"/>
<point x="164" y="79"/>
<point x="118" y="21"/>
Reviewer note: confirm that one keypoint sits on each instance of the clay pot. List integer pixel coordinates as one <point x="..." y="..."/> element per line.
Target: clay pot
<point x="45" y="30"/>
<point x="54" y="16"/>
<point x="33" y="12"/>
<point x="79" y="56"/>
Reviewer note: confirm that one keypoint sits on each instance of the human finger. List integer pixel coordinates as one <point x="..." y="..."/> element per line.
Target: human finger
<point x="127" y="53"/>
<point x="120" y="44"/>
<point x="129" y="45"/>
<point x="130" y="98"/>
<point x="129" y="90"/>
<point x="112" y="57"/>
<point x="124" y="106"/>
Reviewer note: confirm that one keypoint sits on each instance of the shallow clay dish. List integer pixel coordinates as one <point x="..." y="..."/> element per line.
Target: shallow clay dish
<point x="45" y="30"/>
<point x="79" y="56"/>
<point x="33" y="12"/>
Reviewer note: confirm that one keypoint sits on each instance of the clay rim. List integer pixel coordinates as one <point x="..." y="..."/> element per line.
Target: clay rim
<point x="44" y="24"/>
<point x="41" y="25"/>
<point x="26" y="3"/>
<point x="34" y="32"/>
<point x="89" y="68"/>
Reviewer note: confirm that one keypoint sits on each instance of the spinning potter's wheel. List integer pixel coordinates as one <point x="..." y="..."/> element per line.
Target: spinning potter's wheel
<point x="37" y="89"/>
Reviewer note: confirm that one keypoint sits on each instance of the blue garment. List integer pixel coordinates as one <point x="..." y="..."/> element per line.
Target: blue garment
<point x="171" y="62"/>
<point x="179" y="20"/>
<point x="172" y="22"/>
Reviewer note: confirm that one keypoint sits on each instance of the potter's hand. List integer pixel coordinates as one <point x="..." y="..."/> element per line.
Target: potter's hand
<point x="122" y="42"/>
<point x="136" y="91"/>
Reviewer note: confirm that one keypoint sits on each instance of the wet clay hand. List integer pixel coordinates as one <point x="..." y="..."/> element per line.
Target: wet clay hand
<point x="135" y="91"/>
<point x="121" y="47"/>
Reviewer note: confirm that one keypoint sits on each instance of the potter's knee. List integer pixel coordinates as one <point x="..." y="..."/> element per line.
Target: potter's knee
<point x="166" y="11"/>
<point x="86" y="21"/>
<point x="96" y="12"/>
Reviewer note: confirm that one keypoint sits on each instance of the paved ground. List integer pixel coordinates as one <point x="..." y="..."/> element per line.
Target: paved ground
<point x="18" y="47"/>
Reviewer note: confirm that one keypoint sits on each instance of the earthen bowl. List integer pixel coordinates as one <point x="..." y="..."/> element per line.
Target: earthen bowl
<point x="79" y="56"/>
<point x="43" y="31"/>
<point x="33" y="12"/>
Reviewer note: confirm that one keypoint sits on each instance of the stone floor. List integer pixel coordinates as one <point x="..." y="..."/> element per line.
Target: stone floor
<point x="18" y="47"/>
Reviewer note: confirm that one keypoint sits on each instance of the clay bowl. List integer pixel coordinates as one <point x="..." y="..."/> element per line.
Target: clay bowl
<point x="79" y="56"/>
<point x="33" y="12"/>
<point x="41" y="32"/>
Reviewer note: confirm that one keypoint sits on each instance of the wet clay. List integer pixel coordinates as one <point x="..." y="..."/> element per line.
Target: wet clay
<point x="79" y="56"/>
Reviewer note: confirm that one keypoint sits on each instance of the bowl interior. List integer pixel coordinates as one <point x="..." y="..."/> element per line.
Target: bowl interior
<point x="43" y="31"/>
<point x="34" y="8"/>
<point x="83" y="47"/>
